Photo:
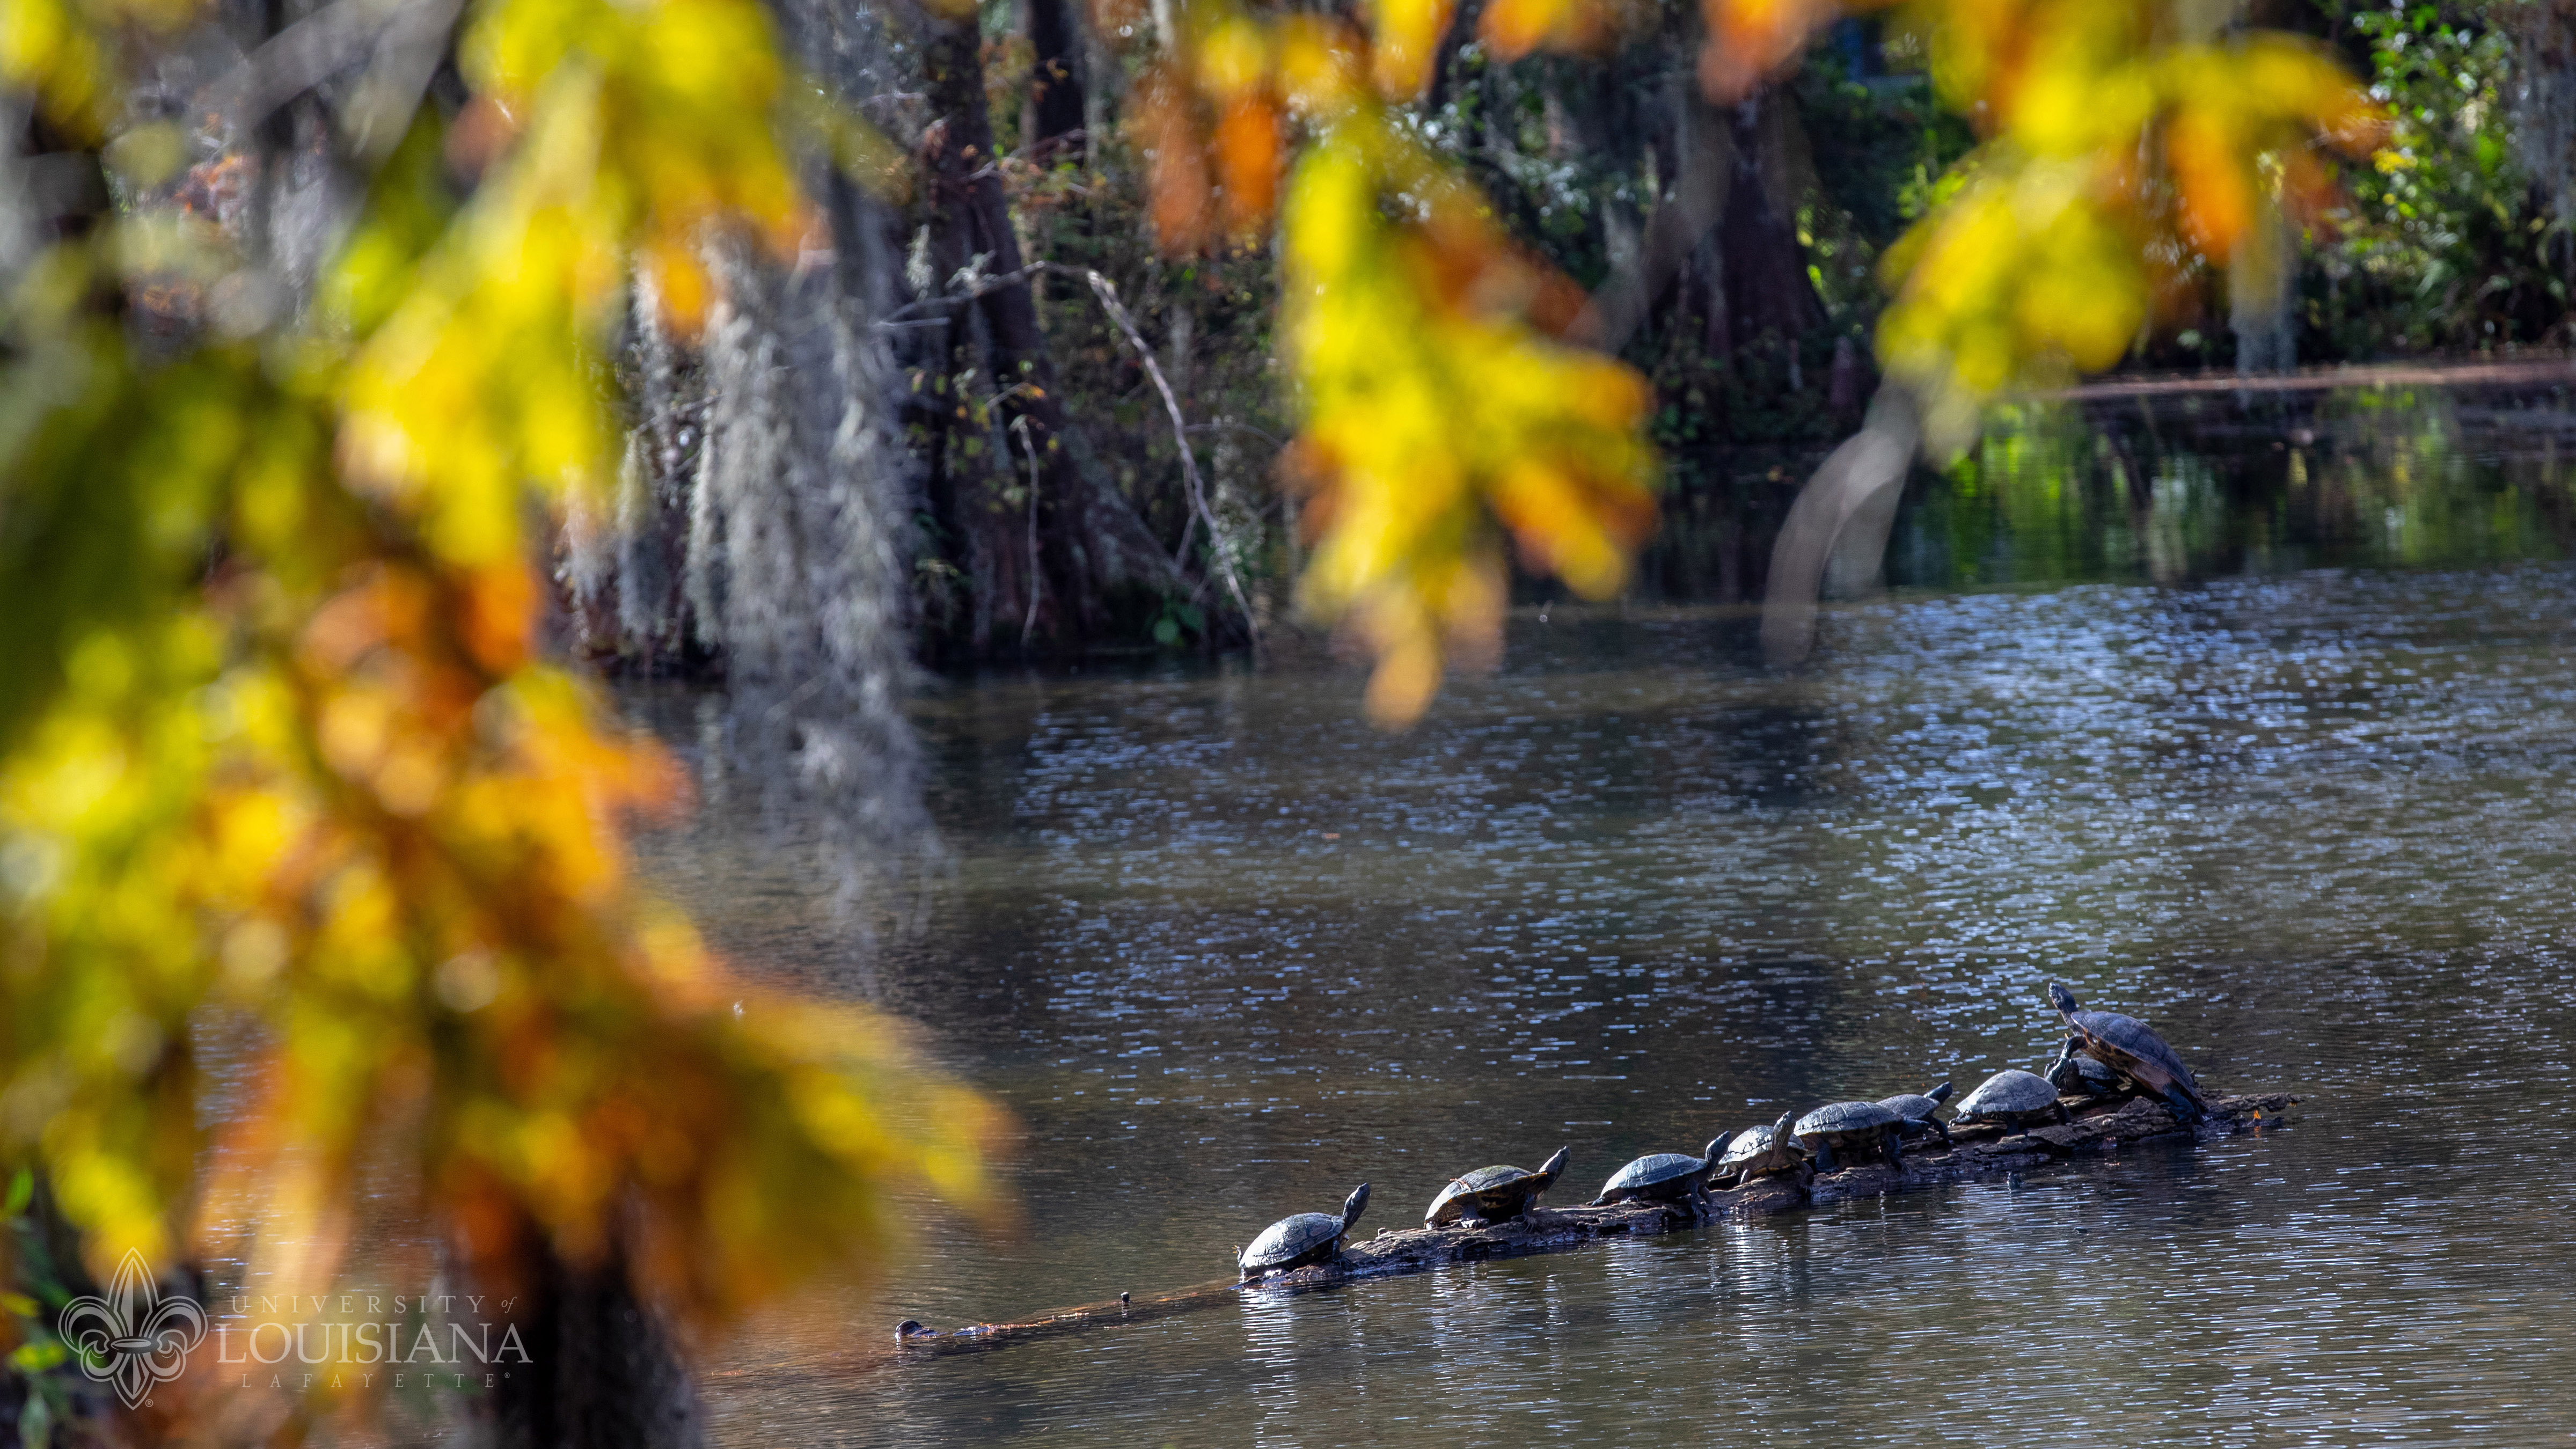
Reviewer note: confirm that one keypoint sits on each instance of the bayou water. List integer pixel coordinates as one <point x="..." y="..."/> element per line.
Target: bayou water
<point x="2259" y="723"/>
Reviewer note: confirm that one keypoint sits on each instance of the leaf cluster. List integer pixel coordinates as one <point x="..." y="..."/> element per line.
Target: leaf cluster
<point x="278" y="748"/>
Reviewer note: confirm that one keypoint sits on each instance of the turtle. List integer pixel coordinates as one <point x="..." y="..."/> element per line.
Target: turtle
<point x="2129" y="1046"/>
<point x="1294" y="1242"/>
<point x="2080" y="1074"/>
<point x="1854" y="1126"/>
<point x="1493" y="1194"/>
<point x="1762" y="1151"/>
<point x="2012" y="1097"/>
<point x="1918" y="1109"/>
<point x="1665" y="1177"/>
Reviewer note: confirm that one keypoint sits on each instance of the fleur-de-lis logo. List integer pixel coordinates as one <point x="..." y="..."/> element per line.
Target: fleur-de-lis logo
<point x="133" y="1337"/>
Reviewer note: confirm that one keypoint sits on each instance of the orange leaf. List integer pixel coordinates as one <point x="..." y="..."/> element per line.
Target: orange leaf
<point x="1247" y="162"/>
<point x="2217" y="194"/>
<point x="1178" y="173"/>
<point x="1749" y="39"/>
<point x="1405" y="40"/>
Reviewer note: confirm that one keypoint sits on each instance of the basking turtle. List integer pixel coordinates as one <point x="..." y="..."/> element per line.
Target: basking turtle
<point x="1856" y="1127"/>
<point x="2128" y="1046"/>
<point x="2078" y="1074"/>
<point x="1917" y="1108"/>
<point x="1664" y="1177"/>
<point x="2012" y="1097"/>
<point x="1762" y="1151"/>
<point x="1294" y="1242"/>
<point x="1493" y="1194"/>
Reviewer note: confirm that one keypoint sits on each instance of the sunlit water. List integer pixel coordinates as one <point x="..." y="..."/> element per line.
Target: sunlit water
<point x="1226" y="951"/>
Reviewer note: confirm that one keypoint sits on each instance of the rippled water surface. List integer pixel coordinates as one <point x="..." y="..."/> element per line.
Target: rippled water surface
<point x="1226" y="951"/>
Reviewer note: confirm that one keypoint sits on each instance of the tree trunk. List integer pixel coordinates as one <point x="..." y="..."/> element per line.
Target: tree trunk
<point x="1043" y="566"/>
<point x="1766" y="283"/>
<point x="1055" y="83"/>
<point x="602" y="1371"/>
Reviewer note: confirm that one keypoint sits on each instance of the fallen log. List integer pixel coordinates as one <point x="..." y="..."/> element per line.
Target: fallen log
<point x="1979" y="1150"/>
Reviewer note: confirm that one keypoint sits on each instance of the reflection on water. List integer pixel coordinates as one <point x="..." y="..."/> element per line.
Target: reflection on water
<point x="2208" y="484"/>
<point x="1226" y="951"/>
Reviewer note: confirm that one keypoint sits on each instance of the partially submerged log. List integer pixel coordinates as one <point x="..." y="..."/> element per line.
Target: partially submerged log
<point x="1978" y="1150"/>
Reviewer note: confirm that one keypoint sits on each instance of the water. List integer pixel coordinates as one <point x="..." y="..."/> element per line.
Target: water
<point x="1225" y="951"/>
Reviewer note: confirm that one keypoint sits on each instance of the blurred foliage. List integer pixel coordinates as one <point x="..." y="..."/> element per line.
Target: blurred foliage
<point x="276" y="748"/>
<point x="1442" y="412"/>
<point x="2120" y="145"/>
<point x="275" y="739"/>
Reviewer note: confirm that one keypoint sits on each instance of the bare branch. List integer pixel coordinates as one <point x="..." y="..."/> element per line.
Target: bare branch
<point x="1219" y="544"/>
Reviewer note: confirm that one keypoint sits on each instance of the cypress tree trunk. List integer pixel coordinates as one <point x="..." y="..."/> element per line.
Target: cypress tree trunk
<point x="1766" y="283"/>
<point x="602" y="1371"/>
<point x="1046" y="565"/>
<point x="1055" y="84"/>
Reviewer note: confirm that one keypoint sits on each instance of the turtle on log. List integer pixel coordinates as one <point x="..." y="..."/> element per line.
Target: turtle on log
<point x="1762" y="1151"/>
<point x="1665" y="1177"/>
<point x="2129" y="1046"/>
<point x="2011" y="1098"/>
<point x="2077" y="1074"/>
<point x="1856" y="1127"/>
<point x="1493" y="1194"/>
<point x="1918" y="1109"/>
<point x="1294" y="1242"/>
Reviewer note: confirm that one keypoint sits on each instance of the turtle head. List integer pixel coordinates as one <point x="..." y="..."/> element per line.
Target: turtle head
<point x="1940" y="1093"/>
<point x="2062" y="999"/>
<point x="1717" y="1147"/>
<point x="1783" y="1133"/>
<point x="1354" y="1205"/>
<point x="1553" y="1168"/>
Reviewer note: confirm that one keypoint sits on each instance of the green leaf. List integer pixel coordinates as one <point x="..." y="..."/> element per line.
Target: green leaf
<point x="22" y="1191"/>
<point x="35" y="1358"/>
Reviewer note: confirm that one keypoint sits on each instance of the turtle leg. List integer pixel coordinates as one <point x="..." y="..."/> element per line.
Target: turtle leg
<point x="2062" y="1115"/>
<point x="1944" y="1129"/>
<point x="1895" y="1148"/>
<point x="2184" y="1109"/>
<point x="1825" y="1157"/>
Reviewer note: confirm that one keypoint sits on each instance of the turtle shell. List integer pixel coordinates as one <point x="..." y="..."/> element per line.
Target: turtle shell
<point x="2117" y="1036"/>
<point x="1654" y="1169"/>
<point x="2007" y="1092"/>
<point x="2127" y="1045"/>
<point x="1293" y="1240"/>
<point x="1917" y="1106"/>
<point x="1840" y="1117"/>
<point x="1763" y="1149"/>
<point x="1496" y="1194"/>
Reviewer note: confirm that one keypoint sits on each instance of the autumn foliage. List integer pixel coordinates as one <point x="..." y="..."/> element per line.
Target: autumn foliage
<point x="1451" y="410"/>
<point x="276" y="740"/>
<point x="277" y="748"/>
